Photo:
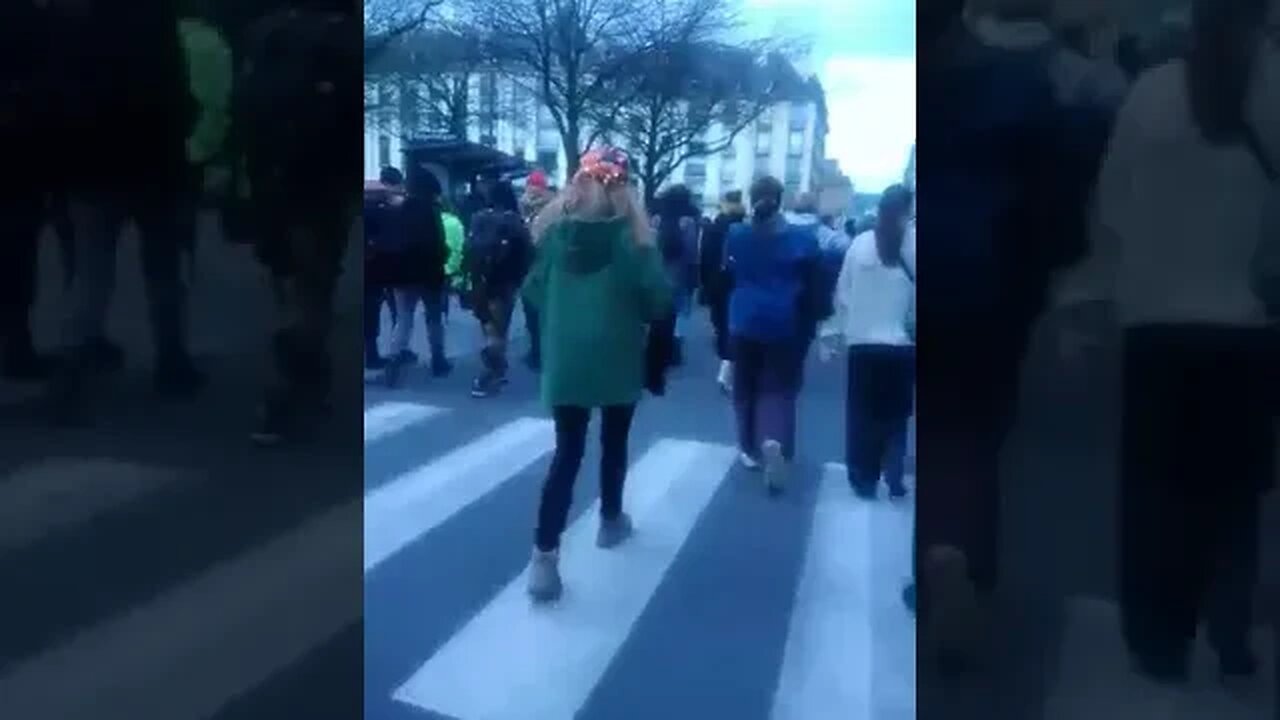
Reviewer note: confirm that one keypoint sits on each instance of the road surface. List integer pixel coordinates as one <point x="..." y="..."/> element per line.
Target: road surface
<point x="166" y="568"/>
<point x="727" y="603"/>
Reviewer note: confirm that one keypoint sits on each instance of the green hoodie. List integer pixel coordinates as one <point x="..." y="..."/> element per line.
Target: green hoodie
<point x="210" y="67"/>
<point x="595" y="290"/>
<point x="454" y="238"/>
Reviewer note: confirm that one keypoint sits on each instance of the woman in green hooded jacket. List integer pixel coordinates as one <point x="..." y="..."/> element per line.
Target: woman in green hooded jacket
<point x="596" y="284"/>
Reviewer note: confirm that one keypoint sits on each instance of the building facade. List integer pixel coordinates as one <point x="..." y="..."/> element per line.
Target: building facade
<point x="787" y="140"/>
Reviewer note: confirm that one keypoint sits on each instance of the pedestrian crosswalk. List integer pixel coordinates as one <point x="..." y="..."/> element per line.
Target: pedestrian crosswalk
<point x="837" y="644"/>
<point x="726" y="602"/>
<point x="1095" y="678"/>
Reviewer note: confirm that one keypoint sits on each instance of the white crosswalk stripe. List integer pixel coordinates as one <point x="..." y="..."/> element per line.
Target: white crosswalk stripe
<point x="387" y="418"/>
<point x="414" y="503"/>
<point x="512" y="660"/>
<point x="828" y="664"/>
<point x="1096" y="679"/>
<point x="485" y="671"/>
<point x="205" y="642"/>
<point x="53" y="495"/>
<point x="189" y="652"/>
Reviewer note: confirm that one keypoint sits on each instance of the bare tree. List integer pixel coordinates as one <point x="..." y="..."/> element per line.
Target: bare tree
<point x="387" y="20"/>
<point x="572" y="54"/>
<point x="689" y="100"/>
<point x="429" y="74"/>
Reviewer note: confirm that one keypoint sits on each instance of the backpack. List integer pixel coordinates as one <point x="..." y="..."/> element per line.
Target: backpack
<point x="296" y="91"/>
<point x="491" y="252"/>
<point x="385" y="225"/>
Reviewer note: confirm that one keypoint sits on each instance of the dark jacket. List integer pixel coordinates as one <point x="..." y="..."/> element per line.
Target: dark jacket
<point x="26" y="86"/>
<point x="497" y="253"/>
<point x="595" y="290"/>
<point x="997" y="121"/>
<point x="404" y="244"/>
<point x="124" y="107"/>
<point x="775" y="276"/>
<point x="714" y="285"/>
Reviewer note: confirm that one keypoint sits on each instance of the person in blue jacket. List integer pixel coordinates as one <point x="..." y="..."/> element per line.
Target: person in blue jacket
<point x="776" y="301"/>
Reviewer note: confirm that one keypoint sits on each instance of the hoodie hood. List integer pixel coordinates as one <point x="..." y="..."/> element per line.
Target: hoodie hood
<point x="590" y="246"/>
<point x="803" y="219"/>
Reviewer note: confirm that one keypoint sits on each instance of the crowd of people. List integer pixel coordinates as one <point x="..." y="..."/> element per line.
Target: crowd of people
<point x="1060" y="179"/>
<point x="146" y="114"/>
<point x="594" y="268"/>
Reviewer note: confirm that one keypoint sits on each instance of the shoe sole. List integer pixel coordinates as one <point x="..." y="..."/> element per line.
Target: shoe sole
<point x="775" y="467"/>
<point x="953" y="610"/>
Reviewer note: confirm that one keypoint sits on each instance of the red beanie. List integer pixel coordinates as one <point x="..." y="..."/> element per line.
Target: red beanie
<point x="537" y="179"/>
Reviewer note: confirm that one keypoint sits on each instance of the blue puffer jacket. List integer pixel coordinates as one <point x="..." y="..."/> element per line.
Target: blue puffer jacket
<point x="774" y="272"/>
<point x="1012" y="163"/>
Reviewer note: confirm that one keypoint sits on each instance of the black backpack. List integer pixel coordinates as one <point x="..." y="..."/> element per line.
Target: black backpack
<point x="492" y="255"/>
<point x="298" y="95"/>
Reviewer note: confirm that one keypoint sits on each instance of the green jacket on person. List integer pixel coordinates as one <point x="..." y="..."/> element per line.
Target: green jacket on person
<point x="454" y="238"/>
<point x="209" y="66"/>
<point x="595" y="290"/>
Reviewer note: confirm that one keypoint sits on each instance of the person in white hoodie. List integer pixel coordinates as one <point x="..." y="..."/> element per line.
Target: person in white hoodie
<point x="873" y="302"/>
<point x="1182" y="203"/>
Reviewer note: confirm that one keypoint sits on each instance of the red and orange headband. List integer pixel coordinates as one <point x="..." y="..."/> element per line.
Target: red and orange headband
<point x="605" y="165"/>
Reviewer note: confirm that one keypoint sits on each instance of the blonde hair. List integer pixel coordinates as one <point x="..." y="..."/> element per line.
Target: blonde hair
<point x="585" y="198"/>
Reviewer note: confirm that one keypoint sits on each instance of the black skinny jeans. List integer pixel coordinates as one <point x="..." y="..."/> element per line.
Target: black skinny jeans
<point x="571" y="444"/>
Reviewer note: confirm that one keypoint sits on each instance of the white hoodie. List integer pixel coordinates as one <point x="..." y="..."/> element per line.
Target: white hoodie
<point x="872" y="300"/>
<point x="1179" y="219"/>
<point x="829" y="240"/>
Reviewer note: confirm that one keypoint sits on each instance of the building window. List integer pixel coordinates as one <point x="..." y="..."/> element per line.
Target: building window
<point x="729" y="151"/>
<point x="764" y="143"/>
<point x="794" y="172"/>
<point x="795" y="143"/>
<point x="764" y="124"/>
<point x="489" y="93"/>
<point x="799" y="117"/>
<point x="695" y="171"/>
<point x="384" y="151"/>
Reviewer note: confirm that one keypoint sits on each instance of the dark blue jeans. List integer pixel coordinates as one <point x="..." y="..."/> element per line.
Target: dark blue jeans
<point x="878" y="405"/>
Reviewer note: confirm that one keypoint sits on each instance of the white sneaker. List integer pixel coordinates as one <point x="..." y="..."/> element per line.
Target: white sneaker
<point x="748" y="462"/>
<point x="775" y="466"/>
<point x="724" y="378"/>
<point x="544" y="576"/>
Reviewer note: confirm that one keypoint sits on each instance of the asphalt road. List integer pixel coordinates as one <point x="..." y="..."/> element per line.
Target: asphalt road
<point x="727" y="603"/>
<point x="166" y="568"/>
<point x="157" y="551"/>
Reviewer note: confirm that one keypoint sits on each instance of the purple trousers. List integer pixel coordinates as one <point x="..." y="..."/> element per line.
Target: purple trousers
<point x="766" y="382"/>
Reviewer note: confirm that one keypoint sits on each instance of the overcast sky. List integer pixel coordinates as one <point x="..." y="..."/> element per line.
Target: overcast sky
<point x="864" y="53"/>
